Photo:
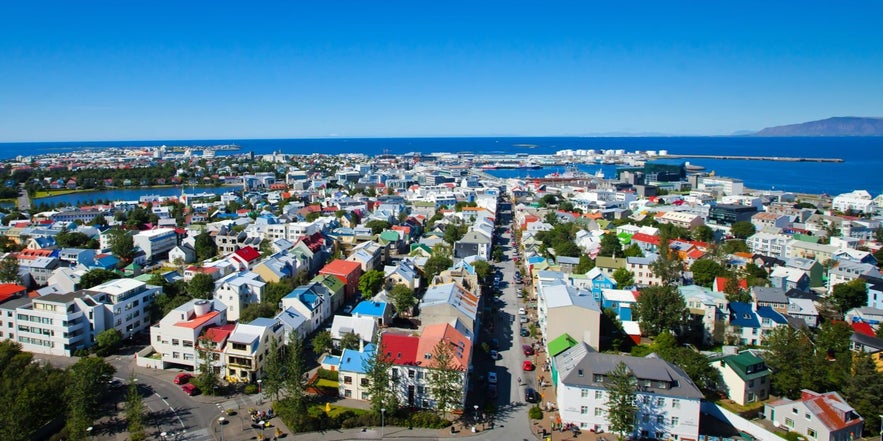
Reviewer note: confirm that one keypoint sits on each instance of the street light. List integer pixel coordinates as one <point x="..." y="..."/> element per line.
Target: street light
<point x="382" y="414"/>
<point x="260" y="394"/>
<point x="89" y="431"/>
<point x="475" y="407"/>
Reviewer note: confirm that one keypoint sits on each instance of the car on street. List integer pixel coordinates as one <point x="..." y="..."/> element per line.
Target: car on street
<point x="524" y="332"/>
<point x="190" y="389"/>
<point x="523" y="319"/>
<point x="492" y="377"/>
<point x="527" y="365"/>
<point x="182" y="378"/>
<point x="521" y="311"/>
<point x="530" y="395"/>
<point x="527" y="349"/>
<point x="495" y="355"/>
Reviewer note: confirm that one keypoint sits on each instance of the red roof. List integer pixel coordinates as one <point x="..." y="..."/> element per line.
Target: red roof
<point x="863" y="328"/>
<point x="198" y="321"/>
<point x="720" y="283"/>
<point x="314" y="242"/>
<point x="824" y="407"/>
<point x="218" y="334"/>
<point x="248" y="254"/>
<point x="341" y="267"/>
<point x="401" y="349"/>
<point x="10" y="290"/>
<point x="643" y="237"/>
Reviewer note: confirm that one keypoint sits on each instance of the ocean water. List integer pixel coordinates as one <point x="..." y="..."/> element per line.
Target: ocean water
<point x="863" y="156"/>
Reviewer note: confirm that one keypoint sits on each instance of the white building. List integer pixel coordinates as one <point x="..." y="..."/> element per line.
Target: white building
<point x="720" y="184"/>
<point x="856" y="200"/>
<point x="668" y="401"/>
<point x="247" y="347"/>
<point x="156" y="242"/>
<point x="174" y="338"/>
<point x="769" y="244"/>
<point x="237" y="290"/>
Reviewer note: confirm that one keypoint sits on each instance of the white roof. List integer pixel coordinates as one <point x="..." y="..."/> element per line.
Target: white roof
<point x="618" y="295"/>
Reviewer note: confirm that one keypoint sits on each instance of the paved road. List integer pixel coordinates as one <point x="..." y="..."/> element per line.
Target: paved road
<point x="24" y="201"/>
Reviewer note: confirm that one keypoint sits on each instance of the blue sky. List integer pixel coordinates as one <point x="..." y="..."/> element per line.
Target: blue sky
<point x="129" y="70"/>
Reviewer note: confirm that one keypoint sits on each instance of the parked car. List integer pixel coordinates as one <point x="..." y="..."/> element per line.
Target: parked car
<point x="524" y="332"/>
<point x="190" y="389"/>
<point x="523" y="319"/>
<point x="527" y="349"/>
<point x="530" y="395"/>
<point x="527" y="365"/>
<point x="182" y="378"/>
<point x="492" y="377"/>
<point x="495" y="355"/>
<point x="521" y="311"/>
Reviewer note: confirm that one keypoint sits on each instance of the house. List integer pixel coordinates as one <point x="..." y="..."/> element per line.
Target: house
<point x="352" y="379"/>
<point x="244" y="258"/>
<point x="668" y="401"/>
<point x="708" y="310"/>
<point x="312" y="301"/>
<point x="404" y="272"/>
<point x="621" y="301"/>
<point x="822" y="417"/>
<point x="787" y="278"/>
<point x="749" y="327"/>
<point x="348" y="272"/>
<point x="770" y="296"/>
<point x="175" y="337"/>
<point x="641" y="268"/>
<point x="812" y="268"/>
<point x="183" y="254"/>
<point x="333" y="288"/>
<point x="473" y="244"/>
<point x="447" y="302"/>
<point x="680" y="219"/>
<point x="804" y="309"/>
<point x="236" y="290"/>
<point x="599" y="281"/>
<point x="846" y="271"/>
<point x="381" y="312"/>
<point x="293" y="323"/>
<point x="745" y="376"/>
<point x="247" y="348"/>
<point x="156" y="243"/>
<point x="364" y="327"/>
<point x="565" y="309"/>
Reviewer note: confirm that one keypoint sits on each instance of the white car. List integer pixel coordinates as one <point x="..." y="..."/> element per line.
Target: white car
<point x="521" y="311"/>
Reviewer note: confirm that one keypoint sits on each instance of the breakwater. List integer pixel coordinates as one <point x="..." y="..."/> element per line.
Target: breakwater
<point x="754" y="158"/>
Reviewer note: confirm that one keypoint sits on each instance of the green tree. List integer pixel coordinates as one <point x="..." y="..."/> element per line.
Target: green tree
<point x="377" y="226"/>
<point x="206" y="378"/>
<point x="445" y="380"/>
<point x="660" y="308"/>
<point x="435" y="265"/>
<point x="702" y="233"/>
<point x="97" y="277"/>
<point x="296" y="372"/>
<point x="742" y="229"/>
<point x="370" y="283"/>
<point x="667" y="266"/>
<point x="322" y="342"/>
<point x="108" y="341"/>
<point x="585" y="264"/>
<point x="864" y="391"/>
<point x="98" y="221"/>
<point x="852" y="294"/>
<point x="453" y="233"/>
<point x="482" y="269"/>
<point x="705" y="271"/>
<point x="633" y="250"/>
<point x="832" y="341"/>
<point x="734" y="246"/>
<point x="121" y="244"/>
<point x="378" y="368"/>
<point x="9" y="270"/>
<point x="252" y="311"/>
<point x="275" y="291"/>
<point x="274" y="370"/>
<point x="789" y="356"/>
<point x="135" y="412"/>
<point x="350" y="340"/>
<point x="67" y="239"/>
<point x="622" y="396"/>
<point x="201" y="286"/>
<point x="624" y="278"/>
<point x="567" y="249"/>
<point x="402" y="298"/>
<point x="30" y="393"/>
<point x="610" y="245"/>
<point x="88" y="382"/>
<point x="205" y="246"/>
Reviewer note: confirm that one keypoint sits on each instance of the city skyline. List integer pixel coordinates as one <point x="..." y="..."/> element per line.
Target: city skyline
<point x="222" y="70"/>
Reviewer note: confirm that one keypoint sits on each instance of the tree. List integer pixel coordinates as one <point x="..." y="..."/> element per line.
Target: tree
<point x="789" y="357"/>
<point x="350" y="340"/>
<point x="205" y="246"/>
<point x="135" y="412"/>
<point x="296" y="372"/>
<point x="832" y="342"/>
<point x="864" y="391"/>
<point x="377" y="226"/>
<point x="667" y="266"/>
<point x="624" y="278"/>
<point x="622" y="396"/>
<point x="206" y="378"/>
<point x="567" y="249"/>
<point x="97" y="277"/>
<point x="633" y="250"/>
<point x="610" y="246"/>
<point x="30" y="393"/>
<point x="445" y="379"/>
<point x="67" y="239"/>
<point x="402" y="298"/>
<point x="660" y="308"/>
<point x="482" y="269"/>
<point x="322" y="342"/>
<point x="702" y="233"/>
<point x="378" y="368"/>
<point x="274" y="370"/>
<point x="453" y="233"/>
<point x="435" y="265"/>
<point x="252" y="311"/>
<point x="370" y="283"/>
<point x="201" y="286"/>
<point x="9" y="270"/>
<point x="275" y="291"/>
<point x="585" y="264"/>
<point x="88" y="382"/>
<point x="121" y="244"/>
<point x="108" y="340"/>
<point x="734" y="246"/>
<point x="705" y="271"/>
<point x="742" y="229"/>
<point x="852" y="294"/>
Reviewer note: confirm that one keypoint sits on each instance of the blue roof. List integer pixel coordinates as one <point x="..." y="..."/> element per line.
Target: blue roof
<point x="772" y="314"/>
<point x="331" y="360"/>
<point x="369" y="308"/>
<point x="742" y="315"/>
<point x="263" y="321"/>
<point x="354" y="361"/>
<point x="535" y="259"/>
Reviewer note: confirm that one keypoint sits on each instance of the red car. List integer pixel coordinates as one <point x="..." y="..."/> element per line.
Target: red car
<point x="182" y="378"/>
<point x="190" y="389"/>
<point x="527" y="366"/>
<point x="527" y="349"/>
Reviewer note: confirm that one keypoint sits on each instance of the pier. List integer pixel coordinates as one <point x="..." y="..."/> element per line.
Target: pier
<point x="753" y="158"/>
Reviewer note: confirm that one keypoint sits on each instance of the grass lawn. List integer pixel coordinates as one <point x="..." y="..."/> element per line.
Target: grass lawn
<point x="732" y="406"/>
<point x="46" y="194"/>
<point x="337" y="410"/>
<point x="326" y="383"/>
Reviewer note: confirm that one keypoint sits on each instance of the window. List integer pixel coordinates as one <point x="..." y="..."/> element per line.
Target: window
<point x="789" y="422"/>
<point x="645" y="399"/>
<point x="364" y="382"/>
<point x="675" y="403"/>
<point x="599" y="411"/>
<point x="807" y="416"/>
<point x="395" y="373"/>
<point x="584" y="410"/>
<point x="811" y="433"/>
<point x="347" y="393"/>
<point x="645" y="418"/>
<point x="410" y="373"/>
<point x="584" y="393"/>
<point x="794" y="410"/>
<point x="420" y="390"/>
<point x="674" y="421"/>
<point x="579" y="372"/>
<point x="660" y="419"/>
<point x="599" y="378"/>
<point x="599" y="394"/>
<point x="660" y="401"/>
<point x="750" y="383"/>
<point x="347" y="380"/>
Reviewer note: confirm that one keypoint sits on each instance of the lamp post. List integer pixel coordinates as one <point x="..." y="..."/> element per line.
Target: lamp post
<point x="475" y="408"/>
<point x="382" y="415"/>
<point x="89" y="432"/>
<point x="260" y="394"/>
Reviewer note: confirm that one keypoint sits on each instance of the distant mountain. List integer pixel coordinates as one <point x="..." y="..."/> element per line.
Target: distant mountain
<point x="836" y="126"/>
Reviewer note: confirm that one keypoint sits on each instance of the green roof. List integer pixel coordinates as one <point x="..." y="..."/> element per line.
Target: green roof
<point x="561" y="344"/>
<point x="331" y="282"/>
<point x="747" y="365"/>
<point x="805" y="238"/>
<point x="390" y="236"/>
<point x="144" y="277"/>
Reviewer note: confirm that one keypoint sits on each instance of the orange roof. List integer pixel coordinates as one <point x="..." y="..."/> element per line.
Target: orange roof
<point x="218" y="334"/>
<point x="341" y="267"/>
<point x="460" y="345"/>
<point x="198" y="321"/>
<point x="11" y="288"/>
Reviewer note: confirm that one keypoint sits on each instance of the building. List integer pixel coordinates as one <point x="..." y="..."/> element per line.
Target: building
<point x="236" y="290"/>
<point x="680" y="219"/>
<point x="348" y="272"/>
<point x="668" y="401"/>
<point x="156" y="243"/>
<point x="175" y="337"/>
<point x="447" y="302"/>
<point x="247" y="347"/>
<point x="565" y="309"/>
<point x="728" y="214"/>
<point x="856" y="200"/>
<point x="745" y="376"/>
<point x="770" y="244"/>
<point x="820" y="417"/>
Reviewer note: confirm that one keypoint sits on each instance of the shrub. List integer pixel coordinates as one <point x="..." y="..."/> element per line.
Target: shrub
<point x="325" y="374"/>
<point x="535" y="413"/>
<point x="251" y="389"/>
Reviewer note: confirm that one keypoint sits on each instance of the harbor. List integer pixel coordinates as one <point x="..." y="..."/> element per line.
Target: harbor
<point x="754" y="158"/>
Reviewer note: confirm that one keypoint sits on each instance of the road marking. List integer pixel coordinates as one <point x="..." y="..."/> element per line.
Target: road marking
<point x="172" y="409"/>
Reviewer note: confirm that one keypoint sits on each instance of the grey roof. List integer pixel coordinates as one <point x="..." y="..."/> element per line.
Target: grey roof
<point x="581" y="359"/>
<point x="769" y="294"/>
